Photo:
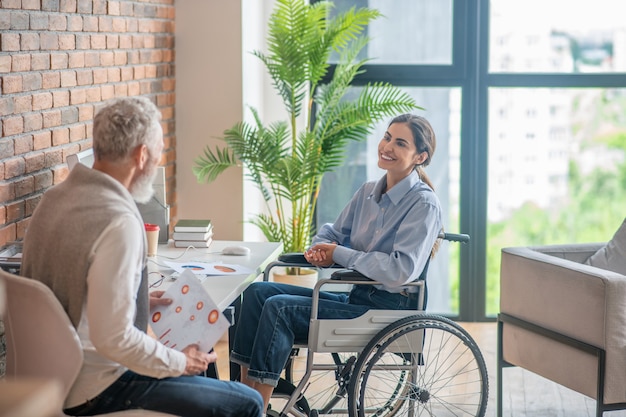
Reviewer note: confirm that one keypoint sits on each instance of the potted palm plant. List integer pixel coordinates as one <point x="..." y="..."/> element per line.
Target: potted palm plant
<point x="287" y="159"/>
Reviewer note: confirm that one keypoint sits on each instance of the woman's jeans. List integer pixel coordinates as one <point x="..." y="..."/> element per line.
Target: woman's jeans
<point x="274" y="317"/>
<point x="186" y="396"/>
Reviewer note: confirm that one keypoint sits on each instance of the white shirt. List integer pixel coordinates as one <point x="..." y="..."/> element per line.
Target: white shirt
<point x="111" y="342"/>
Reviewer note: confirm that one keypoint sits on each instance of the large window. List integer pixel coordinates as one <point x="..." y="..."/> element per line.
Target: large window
<point x="528" y="100"/>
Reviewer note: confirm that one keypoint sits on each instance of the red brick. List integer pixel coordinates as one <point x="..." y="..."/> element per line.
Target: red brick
<point x="92" y="59"/>
<point x="119" y="25"/>
<point x="60" y="174"/>
<point x="42" y="101"/>
<point x="126" y="73"/>
<point x="31" y="204"/>
<point x="43" y="180"/>
<point x="67" y="42"/>
<point x="14" y="167"/>
<point x="126" y="8"/>
<point x="10" y="42"/>
<point x="84" y="6"/>
<point x="38" y="21"/>
<point x="113" y="8"/>
<point x="134" y="89"/>
<point x="42" y="140"/>
<point x="33" y="121"/>
<point x="6" y="149"/>
<point x="77" y="133"/>
<point x="107" y="58"/>
<point x="23" y="104"/>
<point x="6" y="105"/>
<point x="15" y="211"/>
<point x="69" y="115"/>
<point x="23" y="144"/>
<point x="98" y="42"/>
<point x="51" y="118"/>
<point x="58" y="60"/>
<point x="20" y="63"/>
<point x="61" y="98"/>
<point x="151" y="71"/>
<point x="24" y="186"/>
<point x="105" y="24"/>
<point x="21" y="226"/>
<point x="8" y="233"/>
<point x="3" y="215"/>
<point x="120" y="58"/>
<point x="60" y="136"/>
<point x="99" y="75"/>
<point x="58" y="22"/>
<point x="34" y="161"/>
<point x="83" y="41"/>
<point x="19" y="20"/>
<point x="5" y="63"/>
<point x="74" y="23"/>
<point x="40" y="61"/>
<point x="113" y="75"/>
<point x="77" y="60"/>
<point x="53" y="157"/>
<point x="86" y="112"/>
<point x="11" y="4"/>
<point x="107" y="92"/>
<point x="78" y="96"/>
<point x="132" y="25"/>
<point x="68" y="79"/>
<point x="31" y="81"/>
<point x="13" y="126"/>
<point x="90" y="24"/>
<point x="140" y="72"/>
<point x="89" y="130"/>
<point x="31" y="4"/>
<point x="126" y="41"/>
<point x="93" y="95"/>
<point x="50" y="5"/>
<point x="5" y="20"/>
<point x="49" y="41"/>
<point x="113" y="41"/>
<point x="84" y="77"/>
<point x="100" y="6"/>
<point x="51" y="80"/>
<point x="121" y="90"/>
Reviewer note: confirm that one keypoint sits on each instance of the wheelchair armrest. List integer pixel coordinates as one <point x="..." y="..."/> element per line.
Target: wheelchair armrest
<point x="293" y="258"/>
<point x="348" y="275"/>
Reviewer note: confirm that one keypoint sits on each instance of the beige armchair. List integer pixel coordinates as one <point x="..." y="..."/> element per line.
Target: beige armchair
<point x="563" y="320"/>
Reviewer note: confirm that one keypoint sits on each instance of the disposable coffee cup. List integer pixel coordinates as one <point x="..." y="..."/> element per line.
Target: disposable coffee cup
<point x="152" y="234"/>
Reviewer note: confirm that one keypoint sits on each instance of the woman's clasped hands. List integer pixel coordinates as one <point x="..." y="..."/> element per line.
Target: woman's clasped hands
<point x="320" y="254"/>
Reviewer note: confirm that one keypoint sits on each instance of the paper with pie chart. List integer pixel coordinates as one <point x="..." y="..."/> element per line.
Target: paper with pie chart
<point x="203" y="268"/>
<point x="192" y="317"/>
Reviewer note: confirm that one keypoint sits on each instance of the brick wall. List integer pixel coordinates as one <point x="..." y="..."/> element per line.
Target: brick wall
<point x="59" y="59"/>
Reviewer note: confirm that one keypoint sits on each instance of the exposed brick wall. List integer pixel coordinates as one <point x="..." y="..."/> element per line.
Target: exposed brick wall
<point x="59" y="60"/>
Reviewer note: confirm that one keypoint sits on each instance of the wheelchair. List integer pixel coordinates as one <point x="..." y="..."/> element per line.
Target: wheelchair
<point x="382" y="363"/>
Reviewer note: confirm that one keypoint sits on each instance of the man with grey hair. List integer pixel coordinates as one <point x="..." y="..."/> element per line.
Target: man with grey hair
<point x="86" y="241"/>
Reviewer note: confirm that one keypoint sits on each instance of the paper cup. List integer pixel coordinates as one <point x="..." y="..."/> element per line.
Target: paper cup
<point x="152" y="234"/>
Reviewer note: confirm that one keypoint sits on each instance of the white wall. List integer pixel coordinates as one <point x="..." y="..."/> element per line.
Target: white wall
<point x="208" y="101"/>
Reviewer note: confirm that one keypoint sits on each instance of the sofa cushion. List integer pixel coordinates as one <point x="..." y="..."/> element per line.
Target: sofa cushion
<point x="612" y="256"/>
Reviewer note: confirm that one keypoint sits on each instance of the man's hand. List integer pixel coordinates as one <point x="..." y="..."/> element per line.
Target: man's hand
<point x="321" y="254"/>
<point x="156" y="300"/>
<point x="197" y="361"/>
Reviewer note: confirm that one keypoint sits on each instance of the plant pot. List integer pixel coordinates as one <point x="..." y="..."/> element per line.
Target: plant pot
<point x="306" y="278"/>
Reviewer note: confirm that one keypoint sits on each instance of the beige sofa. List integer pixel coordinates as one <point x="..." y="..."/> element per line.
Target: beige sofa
<point x="563" y="320"/>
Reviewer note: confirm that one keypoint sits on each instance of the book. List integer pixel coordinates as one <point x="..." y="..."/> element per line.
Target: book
<point x="193" y="316"/>
<point x="194" y="243"/>
<point x="191" y="225"/>
<point x="192" y="235"/>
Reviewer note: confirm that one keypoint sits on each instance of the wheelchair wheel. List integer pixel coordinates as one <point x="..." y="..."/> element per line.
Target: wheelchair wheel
<point x="422" y="365"/>
<point x="327" y="387"/>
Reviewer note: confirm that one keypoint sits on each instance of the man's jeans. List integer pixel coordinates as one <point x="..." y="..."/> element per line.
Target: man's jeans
<point x="186" y="396"/>
<point x="275" y="316"/>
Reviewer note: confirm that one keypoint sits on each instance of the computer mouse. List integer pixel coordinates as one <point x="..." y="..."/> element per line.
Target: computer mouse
<point x="236" y="250"/>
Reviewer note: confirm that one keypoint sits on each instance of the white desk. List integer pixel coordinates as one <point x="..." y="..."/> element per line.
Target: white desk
<point x="223" y="289"/>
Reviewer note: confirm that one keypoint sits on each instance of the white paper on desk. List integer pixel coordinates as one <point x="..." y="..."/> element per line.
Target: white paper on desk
<point x="203" y="268"/>
<point x="192" y="317"/>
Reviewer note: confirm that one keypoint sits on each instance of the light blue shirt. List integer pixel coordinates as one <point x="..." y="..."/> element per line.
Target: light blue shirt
<point x="387" y="237"/>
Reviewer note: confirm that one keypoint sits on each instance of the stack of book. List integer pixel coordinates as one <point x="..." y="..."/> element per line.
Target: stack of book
<point x="196" y="233"/>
